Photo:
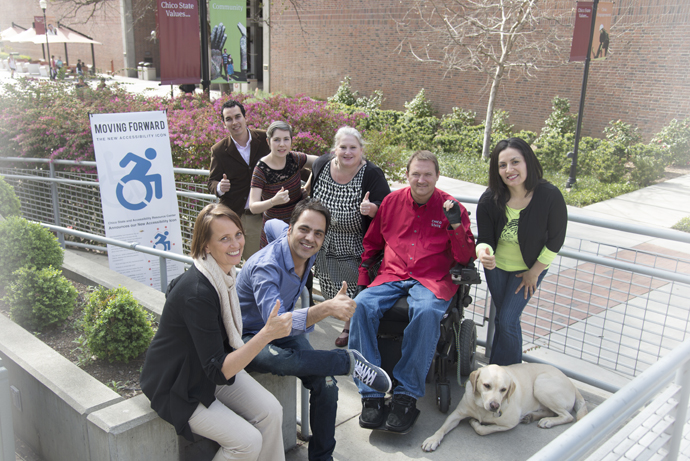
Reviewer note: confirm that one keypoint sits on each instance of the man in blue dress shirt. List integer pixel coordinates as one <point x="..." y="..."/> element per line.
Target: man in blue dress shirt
<point x="278" y="273"/>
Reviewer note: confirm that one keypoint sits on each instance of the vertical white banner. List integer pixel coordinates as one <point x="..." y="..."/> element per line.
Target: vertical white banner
<point x="137" y="183"/>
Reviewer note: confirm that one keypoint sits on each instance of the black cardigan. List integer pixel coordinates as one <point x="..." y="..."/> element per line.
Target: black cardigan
<point x="183" y="363"/>
<point x="542" y="223"/>
<point x="374" y="182"/>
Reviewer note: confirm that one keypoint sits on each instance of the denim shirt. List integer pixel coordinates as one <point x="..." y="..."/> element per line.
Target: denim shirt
<point x="269" y="275"/>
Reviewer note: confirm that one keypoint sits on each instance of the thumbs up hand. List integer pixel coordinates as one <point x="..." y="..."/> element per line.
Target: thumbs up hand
<point x="487" y="259"/>
<point x="224" y="184"/>
<point x="367" y="208"/>
<point x="281" y="197"/>
<point x="342" y="307"/>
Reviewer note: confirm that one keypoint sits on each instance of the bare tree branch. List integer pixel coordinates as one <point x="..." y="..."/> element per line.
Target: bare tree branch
<point x="489" y="36"/>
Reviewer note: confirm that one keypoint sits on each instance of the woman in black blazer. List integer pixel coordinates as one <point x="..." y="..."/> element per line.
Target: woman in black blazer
<point x="521" y="224"/>
<point x="194" y="369"/>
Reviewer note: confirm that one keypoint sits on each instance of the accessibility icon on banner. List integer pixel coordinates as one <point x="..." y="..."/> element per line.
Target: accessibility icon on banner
<point x="138" y="182"/>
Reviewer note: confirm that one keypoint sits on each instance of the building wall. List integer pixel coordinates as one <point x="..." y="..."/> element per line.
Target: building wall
<point x="103" y="27"/>
<point x="643" y="81"/>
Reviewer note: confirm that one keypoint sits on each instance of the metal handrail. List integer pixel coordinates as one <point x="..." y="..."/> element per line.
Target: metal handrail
<point x="604" y="419"/>
<point x="189" y="171"/>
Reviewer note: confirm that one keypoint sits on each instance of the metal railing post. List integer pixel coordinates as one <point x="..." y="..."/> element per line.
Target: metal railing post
<point x="56" y="204"/>
<point x="6" y="428"/>
<point x="491" y="327"/>
<point x="681" y="413"/>
<point x="304" y="395"/>
<point x="163" y="266"/>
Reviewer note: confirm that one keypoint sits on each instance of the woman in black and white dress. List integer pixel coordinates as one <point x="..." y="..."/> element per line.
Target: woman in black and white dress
<point x="352" y="188"/>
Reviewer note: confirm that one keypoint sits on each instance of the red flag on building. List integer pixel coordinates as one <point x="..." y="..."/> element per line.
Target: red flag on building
<point x="179" y="41"/>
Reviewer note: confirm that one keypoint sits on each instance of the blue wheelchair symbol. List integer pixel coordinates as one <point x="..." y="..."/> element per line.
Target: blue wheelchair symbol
<point x="162" y="240"/>
<point x="152" y="182"/>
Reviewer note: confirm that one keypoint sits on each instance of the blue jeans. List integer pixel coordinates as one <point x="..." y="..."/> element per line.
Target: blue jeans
<point x="419" y="340"/>
<point x="506" y="348"/>
<point x="294" y="356"/>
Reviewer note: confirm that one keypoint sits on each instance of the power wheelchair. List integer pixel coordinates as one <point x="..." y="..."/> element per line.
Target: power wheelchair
<point x="456" y="333"/>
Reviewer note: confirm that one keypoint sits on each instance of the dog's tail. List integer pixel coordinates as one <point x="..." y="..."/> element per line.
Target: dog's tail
<point x="580" y="405"/>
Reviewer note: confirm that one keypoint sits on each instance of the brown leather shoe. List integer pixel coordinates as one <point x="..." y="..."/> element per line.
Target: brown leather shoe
<point x="341" y="341"/>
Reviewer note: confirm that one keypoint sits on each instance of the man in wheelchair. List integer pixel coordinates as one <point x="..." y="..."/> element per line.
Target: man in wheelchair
<point x="424" y="232"/>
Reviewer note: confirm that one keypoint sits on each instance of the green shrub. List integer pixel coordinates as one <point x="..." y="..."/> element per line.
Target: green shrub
<point x="551" y="150"/>
<point x="26" y="244"/>
<point x="588" y="189"/>
<point x="39" y="298"/>
<point x="675" y="139"/>
<point x="465" y="167"/>
<point x="650" y="164"/>
<point x="682" y="225"/>
<point x="9" y="203"/>
<point x="560" y="121"/>
<point x="602" y="159"/>
<point x="526" y="135"/>
<point x="500" y="128"/>
<point x="116" y="326"/>
<point x="382" y="150"/>
<point x="458" y="120"/>
<point x="380" y="120"/>
<point x="416" y="133"/>
<point x="622" y="133"/>
<point x="468" y="141"/>
<point x="344" y="94"/>
<point x="370" y="103"/>
<point x="419" y="106"/>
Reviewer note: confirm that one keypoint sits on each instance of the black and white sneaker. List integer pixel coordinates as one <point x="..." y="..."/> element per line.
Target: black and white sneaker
<point x="369" y="374"/>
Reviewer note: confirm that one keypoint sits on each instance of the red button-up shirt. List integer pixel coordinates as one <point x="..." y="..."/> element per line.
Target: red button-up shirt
<point x="418" y="242"/>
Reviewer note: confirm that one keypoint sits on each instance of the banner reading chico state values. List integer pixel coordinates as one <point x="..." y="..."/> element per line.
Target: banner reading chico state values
<point x="228" y="19"/>
<point x="179" y="41"/>
<point x="135" y="174"/>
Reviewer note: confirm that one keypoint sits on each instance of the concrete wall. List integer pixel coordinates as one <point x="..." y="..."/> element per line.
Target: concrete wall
<point x="643" y="81"/>
<point x="66" y="415"/>
<point x="53" y="396"/>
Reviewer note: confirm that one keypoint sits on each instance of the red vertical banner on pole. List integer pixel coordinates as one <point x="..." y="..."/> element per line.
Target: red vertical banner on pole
<point x="583" y="25"/>
<point x="180" y="43"/>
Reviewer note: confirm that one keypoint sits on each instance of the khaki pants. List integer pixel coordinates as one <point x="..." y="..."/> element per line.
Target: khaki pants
<point x="252" y="224"/>
<point x="245" y="419"/>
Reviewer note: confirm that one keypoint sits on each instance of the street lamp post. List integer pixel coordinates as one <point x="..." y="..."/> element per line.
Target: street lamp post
<point x="44" y="4"/>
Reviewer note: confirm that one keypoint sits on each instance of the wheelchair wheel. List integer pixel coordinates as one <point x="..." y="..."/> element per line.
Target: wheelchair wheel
<point x="443" y="396"/>
<point x="468" y="346"/>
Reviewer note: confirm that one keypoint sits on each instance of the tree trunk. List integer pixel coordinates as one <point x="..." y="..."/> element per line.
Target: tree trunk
<point x="486" y="147"/>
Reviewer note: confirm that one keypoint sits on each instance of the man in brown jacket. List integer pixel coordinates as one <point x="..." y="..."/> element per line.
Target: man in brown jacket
<point x="232" y="163"/>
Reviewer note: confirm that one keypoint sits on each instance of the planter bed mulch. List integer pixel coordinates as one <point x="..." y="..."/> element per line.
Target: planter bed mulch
<point x="121" y="377"/>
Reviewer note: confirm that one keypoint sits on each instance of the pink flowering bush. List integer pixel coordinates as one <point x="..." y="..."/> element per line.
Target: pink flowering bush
<point x="46" y="119"/>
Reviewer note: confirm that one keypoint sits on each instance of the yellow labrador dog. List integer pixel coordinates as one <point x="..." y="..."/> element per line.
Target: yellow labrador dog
<point x="498" y="398"/>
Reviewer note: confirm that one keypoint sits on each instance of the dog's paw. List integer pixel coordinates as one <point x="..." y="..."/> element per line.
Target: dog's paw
<point x="475" y="424"/>
<point x="545" y="423"/>
<point x="526" y="419"/>
<point x="431" y="443"/>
